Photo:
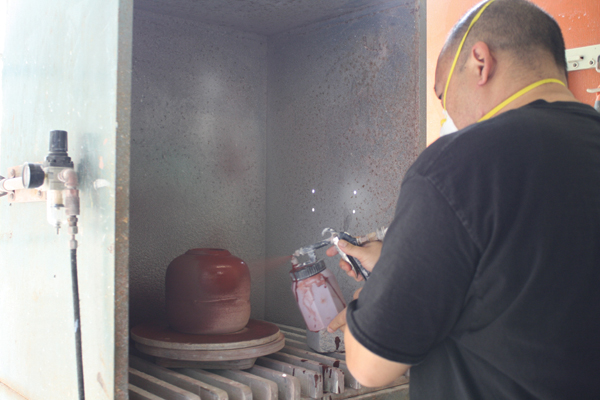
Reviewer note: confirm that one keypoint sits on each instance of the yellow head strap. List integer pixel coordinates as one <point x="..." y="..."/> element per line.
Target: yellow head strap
<point x="460" y="46"/>
<point x="518" y="94"/>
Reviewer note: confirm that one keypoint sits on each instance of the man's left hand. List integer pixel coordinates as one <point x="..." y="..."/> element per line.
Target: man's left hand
<point x="339" y="322"/>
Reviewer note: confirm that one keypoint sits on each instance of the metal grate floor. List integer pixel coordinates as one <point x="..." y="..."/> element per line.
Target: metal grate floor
<point x="294" y="373"/>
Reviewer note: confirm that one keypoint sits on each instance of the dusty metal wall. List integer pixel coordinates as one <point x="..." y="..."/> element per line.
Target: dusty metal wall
<point x="65" y="67"/>
<point x="232" y="131"/>
<point x="345" y="115"/>
<point x="197" y="151"/>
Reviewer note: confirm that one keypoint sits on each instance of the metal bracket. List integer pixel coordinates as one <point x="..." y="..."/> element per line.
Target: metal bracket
<point x="583" y="58"/>
<point x="23" y="195"/>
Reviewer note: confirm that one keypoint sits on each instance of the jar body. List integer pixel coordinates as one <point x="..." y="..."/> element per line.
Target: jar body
<point x="319" y="298"/>
<point x="207" y="292"/>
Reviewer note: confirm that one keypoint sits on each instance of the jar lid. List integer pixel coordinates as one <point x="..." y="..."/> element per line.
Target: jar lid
<point x="307" y="270"/>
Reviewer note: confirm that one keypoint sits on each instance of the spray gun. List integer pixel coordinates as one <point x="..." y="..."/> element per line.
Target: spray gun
<point x="334" y="239"/>
<point x="315" y="287"/>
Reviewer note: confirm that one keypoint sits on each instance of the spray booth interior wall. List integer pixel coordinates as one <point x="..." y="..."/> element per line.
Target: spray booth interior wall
<point x="254" y="138"/>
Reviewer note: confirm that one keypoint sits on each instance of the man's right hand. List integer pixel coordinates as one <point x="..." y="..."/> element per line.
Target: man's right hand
<point x="367" y="255"/>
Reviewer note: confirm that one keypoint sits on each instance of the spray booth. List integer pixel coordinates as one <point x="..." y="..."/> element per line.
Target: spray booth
<point x="241" y="125"/>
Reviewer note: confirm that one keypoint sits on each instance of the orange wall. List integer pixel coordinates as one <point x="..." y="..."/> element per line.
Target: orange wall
<point x="578" y="19"/>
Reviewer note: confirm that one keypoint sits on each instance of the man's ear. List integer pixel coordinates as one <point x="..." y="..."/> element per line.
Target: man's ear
<point x="483" y="61"/>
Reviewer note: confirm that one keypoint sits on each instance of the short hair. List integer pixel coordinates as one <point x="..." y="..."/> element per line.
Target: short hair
<point x="516" y="26"/>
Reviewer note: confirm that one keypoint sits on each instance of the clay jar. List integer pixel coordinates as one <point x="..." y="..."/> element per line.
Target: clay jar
<point x="207" y="292"/>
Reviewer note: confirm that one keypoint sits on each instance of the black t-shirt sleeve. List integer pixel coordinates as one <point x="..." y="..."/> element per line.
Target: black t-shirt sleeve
<point x="418" y="288"/>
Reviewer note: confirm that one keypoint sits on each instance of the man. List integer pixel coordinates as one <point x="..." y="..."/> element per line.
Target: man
<point x="488" y="281"/>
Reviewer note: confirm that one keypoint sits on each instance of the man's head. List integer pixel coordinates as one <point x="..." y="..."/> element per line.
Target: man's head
<point x="512" y="44"/>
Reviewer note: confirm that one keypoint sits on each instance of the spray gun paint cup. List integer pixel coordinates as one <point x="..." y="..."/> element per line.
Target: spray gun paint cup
<point x="317" y="293"/>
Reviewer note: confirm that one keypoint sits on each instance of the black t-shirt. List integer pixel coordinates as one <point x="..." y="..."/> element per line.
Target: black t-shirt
<point x="489" y="276"/>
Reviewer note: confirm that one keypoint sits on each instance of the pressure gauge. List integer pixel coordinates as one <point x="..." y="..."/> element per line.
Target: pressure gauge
<point x="33" y="175"/>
